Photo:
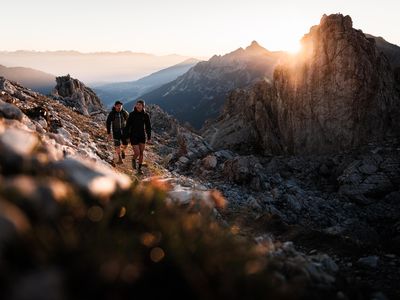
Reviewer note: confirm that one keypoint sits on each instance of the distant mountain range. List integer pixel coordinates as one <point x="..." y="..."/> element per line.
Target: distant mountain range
<point x="99" y="67"/>
<point x="131" y="90"/>
<point x="34" y="79"/>
<point x="199" y="94"/>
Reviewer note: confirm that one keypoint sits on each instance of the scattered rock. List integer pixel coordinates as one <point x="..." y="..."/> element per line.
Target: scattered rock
<point x="369" y="261"/>
<point x="209" y="162"/>
<point x="242" y="169"/>
<point x="10" y="111"/>
<point x="17" y="141"/>
<point x="92" y="178"/>
<point x="254" y="203"/>
<point x="184" y="159"/>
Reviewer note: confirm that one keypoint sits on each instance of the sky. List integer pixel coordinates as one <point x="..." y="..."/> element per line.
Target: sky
<point x="187" y="27"/>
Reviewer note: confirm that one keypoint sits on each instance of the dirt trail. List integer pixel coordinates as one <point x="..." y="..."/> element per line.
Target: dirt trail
<point x="150" y="166"/>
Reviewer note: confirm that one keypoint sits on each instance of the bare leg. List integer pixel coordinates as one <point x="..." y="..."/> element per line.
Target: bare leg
<point x="123" y="148"/>
<point x="141" y="151"/>
<point x="136" y="153"/>
<point x="118" y="152"/>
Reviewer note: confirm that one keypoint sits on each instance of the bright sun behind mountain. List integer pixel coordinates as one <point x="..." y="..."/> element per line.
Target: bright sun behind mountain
<point x="293" y="48"/>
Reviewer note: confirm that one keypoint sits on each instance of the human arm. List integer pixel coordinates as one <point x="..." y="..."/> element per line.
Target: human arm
<point x="148" y="127"/>
<point x="108" y="125"/>
<point x="108" y="122"/>
<point x="125" y="114"/>
<point x="128" y="125"/>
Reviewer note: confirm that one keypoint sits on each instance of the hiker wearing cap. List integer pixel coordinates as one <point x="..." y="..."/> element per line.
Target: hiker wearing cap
<point x="137" y="128"/>
<point x="116" y="121"/>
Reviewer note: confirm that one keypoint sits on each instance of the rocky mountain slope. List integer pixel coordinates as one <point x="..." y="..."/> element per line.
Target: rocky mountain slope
<point x="339" y="93"/>
<point x="214" y="219"/>
<point x="34" y="79"/>
<point x="73" y="93"/>
<point x="199" y="94"/>
<point x="131" y="90"/>
<point x="60" y="203"/>
<point x="60" y="128"/>
<point x="343" y="204"/>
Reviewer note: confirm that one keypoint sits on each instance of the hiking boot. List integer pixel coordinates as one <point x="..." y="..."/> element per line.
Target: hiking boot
<point x="123" y="154"/>
<point x="119" y="162"/>
<point x="140" y="172"/>
<point x="133" y="163"/>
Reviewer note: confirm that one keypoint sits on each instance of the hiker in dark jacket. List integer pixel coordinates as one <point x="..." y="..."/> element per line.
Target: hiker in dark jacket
<point x="116" y="122"/>
<point x="137" y="127"/>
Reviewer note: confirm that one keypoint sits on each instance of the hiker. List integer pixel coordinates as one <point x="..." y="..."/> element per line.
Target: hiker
<point x="116" y="121"/>
<point x="137" y="127"/>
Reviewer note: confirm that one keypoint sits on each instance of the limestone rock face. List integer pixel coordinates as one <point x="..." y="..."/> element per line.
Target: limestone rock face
<point x="75" y="94"/>
<point x="338" y="93"/>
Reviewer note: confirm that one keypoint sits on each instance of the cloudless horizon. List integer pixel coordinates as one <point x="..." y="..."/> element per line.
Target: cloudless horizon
<point x="190" y="28"/>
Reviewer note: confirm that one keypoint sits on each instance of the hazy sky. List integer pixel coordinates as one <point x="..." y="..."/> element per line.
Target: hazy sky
<point x="188" y="27"/>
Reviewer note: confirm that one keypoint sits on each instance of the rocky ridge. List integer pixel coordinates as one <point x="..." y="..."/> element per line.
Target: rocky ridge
<point x="73" y="93"/>
<point x="339" y="93"/>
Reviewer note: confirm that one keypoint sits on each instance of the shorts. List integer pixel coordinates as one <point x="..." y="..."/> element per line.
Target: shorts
<point x="136" y="140"/>
<point x="118" y="138"/>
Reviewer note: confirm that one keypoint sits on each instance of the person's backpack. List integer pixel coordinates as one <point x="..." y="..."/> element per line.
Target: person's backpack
<point x="125" y="115"/>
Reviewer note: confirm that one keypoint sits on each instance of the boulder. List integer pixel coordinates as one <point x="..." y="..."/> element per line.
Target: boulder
<point x="10" y="111"/>
<point x="369" y="261"/>
<point x="209" y="162"/>
<point x="242" y="169"/>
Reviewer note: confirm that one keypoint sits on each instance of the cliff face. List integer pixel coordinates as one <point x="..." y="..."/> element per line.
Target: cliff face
<point x="337" y="93"/>
<point x="75" y="94"/>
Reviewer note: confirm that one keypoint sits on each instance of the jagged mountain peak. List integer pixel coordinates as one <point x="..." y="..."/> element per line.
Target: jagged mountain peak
<point x="191" y="60"/>
<point x="255" y="47"/>
<point x="241" y="53"/>
<point x="336" y="19"/>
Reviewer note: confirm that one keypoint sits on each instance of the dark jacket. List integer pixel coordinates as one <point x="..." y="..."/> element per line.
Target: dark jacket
<point x="138" y="124"/>
<point x="116" y="120"/>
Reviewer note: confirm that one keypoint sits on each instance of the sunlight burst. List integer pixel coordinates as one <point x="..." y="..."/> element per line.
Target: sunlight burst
<point x="293" y="48"/>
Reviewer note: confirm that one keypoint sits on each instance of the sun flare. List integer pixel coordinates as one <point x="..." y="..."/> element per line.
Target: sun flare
<point x="293" y="48"/>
